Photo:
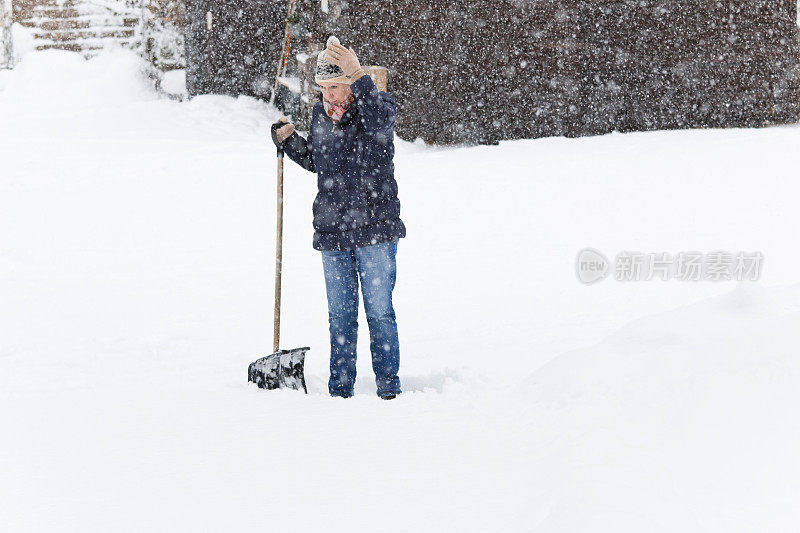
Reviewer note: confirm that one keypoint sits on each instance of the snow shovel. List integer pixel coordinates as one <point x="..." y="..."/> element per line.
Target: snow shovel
<point x="282" y="368"/>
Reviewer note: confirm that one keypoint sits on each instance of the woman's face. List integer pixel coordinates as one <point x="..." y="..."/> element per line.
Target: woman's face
<point x="336" y="93"/>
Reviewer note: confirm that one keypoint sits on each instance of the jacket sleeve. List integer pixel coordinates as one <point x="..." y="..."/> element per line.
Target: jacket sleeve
<point x="376" y="109"/>
<point x="300" y="150"/>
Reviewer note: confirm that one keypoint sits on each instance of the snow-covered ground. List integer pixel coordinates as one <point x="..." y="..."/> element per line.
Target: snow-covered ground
<point x="136" y="257"/>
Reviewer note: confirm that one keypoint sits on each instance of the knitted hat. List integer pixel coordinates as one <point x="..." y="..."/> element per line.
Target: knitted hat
<point x="327" y="72"/>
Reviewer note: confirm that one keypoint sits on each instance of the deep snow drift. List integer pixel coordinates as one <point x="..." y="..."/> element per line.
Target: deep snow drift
<point x="136" y="258"/>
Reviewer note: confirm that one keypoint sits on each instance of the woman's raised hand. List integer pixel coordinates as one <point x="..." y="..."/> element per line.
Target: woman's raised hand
<point x="345" y="58"/>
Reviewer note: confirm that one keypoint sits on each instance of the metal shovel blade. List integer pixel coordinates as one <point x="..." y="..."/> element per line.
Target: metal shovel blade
<point x="280" y="370"/>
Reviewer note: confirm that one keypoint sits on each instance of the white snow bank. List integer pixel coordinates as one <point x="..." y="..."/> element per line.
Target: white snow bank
<point x="24" y="42"/>
<point x="174" y="82"/>
<point x="681" y="421"/>
<point x="5" y="78"/>
<point x="54" y="78"/>
<point x="747" y="326"/>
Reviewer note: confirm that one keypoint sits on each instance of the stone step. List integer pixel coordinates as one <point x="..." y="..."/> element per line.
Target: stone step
<point x="79" y="25"/>
<point x="89" y="34"/>
<point x="38" y="30"/>
<point x="81" y="22"/>
<point x="83" y="44"/>
<point x="65" y="25"/>
<point x="25" y="13"/>
<point x="44" y="4"/>
<point x="71" y="47"/>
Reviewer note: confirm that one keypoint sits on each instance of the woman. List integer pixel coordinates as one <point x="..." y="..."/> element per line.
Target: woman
<point x="357" y="224"/>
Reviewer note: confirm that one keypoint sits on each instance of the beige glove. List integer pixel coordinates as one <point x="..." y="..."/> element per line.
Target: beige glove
<point x="346" y="59"/>
<point x="286" y="131"/>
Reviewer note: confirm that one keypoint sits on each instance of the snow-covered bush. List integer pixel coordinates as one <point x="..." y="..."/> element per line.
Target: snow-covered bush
<point x="163" y="43"/>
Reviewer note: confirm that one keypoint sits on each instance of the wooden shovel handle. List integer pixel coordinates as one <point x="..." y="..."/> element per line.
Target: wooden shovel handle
<point x="278" y="256"/>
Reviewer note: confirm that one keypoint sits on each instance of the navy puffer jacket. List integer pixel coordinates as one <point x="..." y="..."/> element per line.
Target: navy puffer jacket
<point x="356" y="203"/>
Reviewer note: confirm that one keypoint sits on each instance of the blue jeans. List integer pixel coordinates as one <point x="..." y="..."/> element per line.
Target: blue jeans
<point x="377" y="268"/>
